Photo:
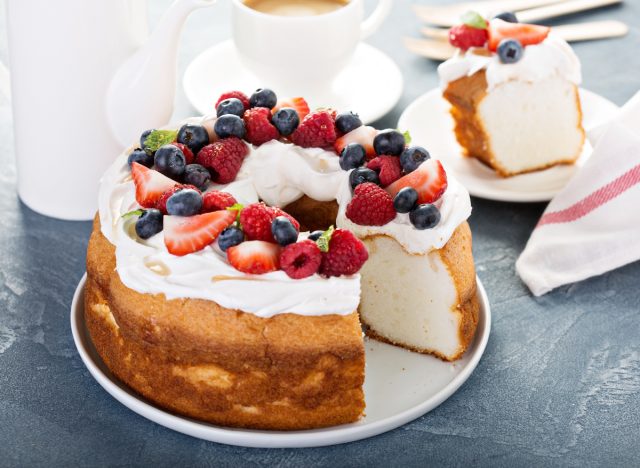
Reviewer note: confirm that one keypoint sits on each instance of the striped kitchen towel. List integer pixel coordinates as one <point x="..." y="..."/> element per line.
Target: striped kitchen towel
<point x="593" y="225"/>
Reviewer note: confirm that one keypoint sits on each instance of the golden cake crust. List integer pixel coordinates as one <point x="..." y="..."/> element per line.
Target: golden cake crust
<point x="465" y="95"/>
<point x="224" y="366"/>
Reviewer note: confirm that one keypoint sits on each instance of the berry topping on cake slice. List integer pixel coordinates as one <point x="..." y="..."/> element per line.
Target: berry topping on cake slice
<point x="256" y="220"/>
<point x="185" y="235"/>
<point x="299" y="104"/>
<point x="223" y="158"/>
<point x="429" y="180"/>
<point x="301" y="260"/>
<point x="317" y="130"/>
<point x="150" y="185"/>
<point x="235" y="95"/>
<point x="216" y="200"/>
<point x="254" y="257"/>
<point x="162" y="201"/>
<point x="370" y="206"/>
<point x="257" y="121"/>
<point x="363" y="135"/>
<point x="388" y="168"/>
<point x="344" y="253"/>
<point x="526" y="34"/>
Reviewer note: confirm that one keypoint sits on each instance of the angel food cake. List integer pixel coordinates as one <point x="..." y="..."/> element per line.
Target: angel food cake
<point x="513" y="90"/>
<point x="235" y="261"/>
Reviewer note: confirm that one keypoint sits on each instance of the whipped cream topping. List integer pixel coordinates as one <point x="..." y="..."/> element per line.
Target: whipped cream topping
<point x="552" y="57"/>
<point x="277" y="173"/>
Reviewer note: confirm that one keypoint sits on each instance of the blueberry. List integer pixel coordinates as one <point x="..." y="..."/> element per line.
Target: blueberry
<point x="347" y="121"/>
<point x="144" y="136"/>
<point x="510" y="50"/>
<point x="197" y="175"/>
<point x="232" y="106"/>
<point x="286" y="120"/>
<point x="283" y="230"/>
<point x="229" y="237"/>
<point x="412" y="157"/>
<point x="361" y="175"/>
<point x="352" y="156"/>
<point x="507" y="16"/>
<point x="194" y="136"/>
<point x="405" y="200"/>
<point x="229" y="126"/>
<point x="315" y="235"/>
<point x="424" y="216"/>
<point x="141" y="157"/>
<point x="170" y="161"/>
<point x="389" y="142"/>
<point x="263" y="97"/>
<point x="149" y="223"/>
<point x="186" y="202"/>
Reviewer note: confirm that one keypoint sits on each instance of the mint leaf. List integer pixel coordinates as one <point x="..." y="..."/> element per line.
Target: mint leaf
<point x="238" y="208"/>
<point x="324" y="239"/>
<point x="407" y="137"/>
<point x="474" y="19"/>
<point x="159" y="138"/>
<point x="137" y="212"/>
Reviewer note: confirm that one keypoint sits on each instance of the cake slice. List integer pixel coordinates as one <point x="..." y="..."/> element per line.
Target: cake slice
<point x="516" y="107"/>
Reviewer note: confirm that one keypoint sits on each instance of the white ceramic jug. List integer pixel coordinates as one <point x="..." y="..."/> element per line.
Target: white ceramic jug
<point x="86" y="80"/>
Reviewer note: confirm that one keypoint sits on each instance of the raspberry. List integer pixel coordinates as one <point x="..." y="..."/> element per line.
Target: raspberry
<point x="370" y="206"/>
<point x="216" y="200"/>
<point x="223" y="158"/>
<point x="188" y="154"/>
<point x="257" y="121"/>
<point x="256" y="221"/>
<point x="234" y="94"/>
<point x="301" y="259"/>
<point x="388" y="168"/>
<point x="346" y="254"/>
<point x="161" y="204"/>
<point x="464" y="36"/>
<point x="317" y="130"/>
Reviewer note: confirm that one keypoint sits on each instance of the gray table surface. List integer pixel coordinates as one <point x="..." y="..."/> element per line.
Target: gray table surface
<point x="559" y="383"/>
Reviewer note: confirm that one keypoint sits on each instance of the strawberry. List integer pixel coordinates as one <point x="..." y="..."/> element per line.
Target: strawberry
<point x="233" y="94"/>
<point x="345" y="256"/>
<point x="257" y="121"/>
<point x="185" y="235"/>
<point x="254" y="257"/>
<point x="370" y="206"/>
<point x="150" y="185"/>
<point x="464" y="36"/>
<point x="388" y="168"/>
<point x="362" y="135"/>
<point x="216" y="200"/>
<point x="429" y="180"/>
<point x="256" y="221"/>
<point x="317" y="130"/>
<point x="223" y="158"/>
<point x="301" y="259"/>
<point x="527" y="34"/>
<point x="188" y="154"/>
<point x="161" y="204"/>
<point x="297" y="103"/>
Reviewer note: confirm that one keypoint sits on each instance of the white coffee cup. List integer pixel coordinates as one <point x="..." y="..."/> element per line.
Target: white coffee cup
<point x="302" y="55"/>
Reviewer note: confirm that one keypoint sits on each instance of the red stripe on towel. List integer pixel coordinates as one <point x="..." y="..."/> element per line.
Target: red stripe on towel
<point x="595" y="200"/>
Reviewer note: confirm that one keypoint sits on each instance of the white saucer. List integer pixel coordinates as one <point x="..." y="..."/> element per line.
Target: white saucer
<point x="430" y="124"/>
<point x="205" y="80"/>
<point x="400" y="386"/>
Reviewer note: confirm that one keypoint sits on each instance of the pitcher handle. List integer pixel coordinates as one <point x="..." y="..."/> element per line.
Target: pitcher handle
<point x="375" y="19"/>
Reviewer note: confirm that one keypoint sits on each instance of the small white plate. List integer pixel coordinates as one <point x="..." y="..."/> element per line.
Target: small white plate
<point x="205" y="80"/>
<point x="399" y="387"/>
<point x="430" y="124"/>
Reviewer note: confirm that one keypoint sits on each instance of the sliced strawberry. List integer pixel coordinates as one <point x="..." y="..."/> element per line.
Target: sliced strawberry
<point x="297" y="103"/>
<point x="429" y="180"/>
<point x="185" y="235"/>
<point x="527" y="34"/>
<point x="363" y="135"/>
<point x="254" y="257"/>
<point x="150" y="185"/>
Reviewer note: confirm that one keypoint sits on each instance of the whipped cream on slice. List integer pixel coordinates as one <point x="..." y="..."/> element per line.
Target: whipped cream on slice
<point x="552" y="57"/>
<point x="278" y="173"/>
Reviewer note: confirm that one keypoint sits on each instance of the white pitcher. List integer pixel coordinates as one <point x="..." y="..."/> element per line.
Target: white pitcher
<point x="86" y="80"/>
